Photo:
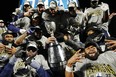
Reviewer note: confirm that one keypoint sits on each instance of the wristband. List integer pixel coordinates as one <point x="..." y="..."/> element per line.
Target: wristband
<point x="69" y="69"/>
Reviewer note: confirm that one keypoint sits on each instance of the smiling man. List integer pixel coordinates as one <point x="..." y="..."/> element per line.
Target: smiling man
<point x="92" y="64"/>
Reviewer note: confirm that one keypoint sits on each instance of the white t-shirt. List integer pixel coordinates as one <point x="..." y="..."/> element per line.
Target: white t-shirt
<point x="104" y="66"/>
<point x="94" y="15"/>
<point x="20" y="64"/>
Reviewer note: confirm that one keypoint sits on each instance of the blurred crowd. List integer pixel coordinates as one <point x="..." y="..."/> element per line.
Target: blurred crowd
<point x="56" y="42"/>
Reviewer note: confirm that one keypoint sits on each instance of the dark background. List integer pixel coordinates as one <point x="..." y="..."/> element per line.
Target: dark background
<point x="6" y="9"/>
<point x="8" y="6"/>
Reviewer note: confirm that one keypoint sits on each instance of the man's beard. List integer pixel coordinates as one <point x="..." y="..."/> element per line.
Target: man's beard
<point x="92" y="57"/>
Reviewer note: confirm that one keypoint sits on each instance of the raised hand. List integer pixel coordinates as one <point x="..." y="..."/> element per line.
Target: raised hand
<point x="75" y="58"/>
<point x="50" y="40"/>
<point x="111" y="44"/>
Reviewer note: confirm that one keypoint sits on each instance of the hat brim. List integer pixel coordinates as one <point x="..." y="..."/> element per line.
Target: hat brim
<point x="14" y="34"/>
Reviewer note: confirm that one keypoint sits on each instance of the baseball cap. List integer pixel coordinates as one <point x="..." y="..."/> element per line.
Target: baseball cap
<point x="32" y="44"/>
<point x="92" y="42"/>
<point x="1" y="20"/>
<point x="35" y="15"/>
<point x="40" y="3"/>
<point x="26" y="3"/>
<point x="9" y="32"/>
<point x="61" y="8"/>
<point x="53" y="5"/>
<point x="71" y="4"/>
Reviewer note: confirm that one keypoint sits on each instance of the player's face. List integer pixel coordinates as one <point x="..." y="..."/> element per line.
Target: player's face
<point x="91" y="52"/>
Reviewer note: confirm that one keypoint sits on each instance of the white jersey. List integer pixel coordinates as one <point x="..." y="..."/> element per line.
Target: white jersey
<point x="104" y="66"/>
<point x="27" y="70"/>
<point x="94" y="15"/>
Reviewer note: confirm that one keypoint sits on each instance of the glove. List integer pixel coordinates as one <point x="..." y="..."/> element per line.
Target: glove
<point x="12" y="60"/>
<point x="30" y="31"/>
<point x="104" y="6"/>
<point x="22" y="31"/>
<point x="35" y="64"/>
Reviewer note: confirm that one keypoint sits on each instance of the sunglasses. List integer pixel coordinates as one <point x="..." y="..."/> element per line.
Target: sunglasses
<point x="40" y="6"/>
<point x="26" y="5"/>
<point x="31" y="48"/>
<point x="52" y="9"/>
<point x="71" y="8"/>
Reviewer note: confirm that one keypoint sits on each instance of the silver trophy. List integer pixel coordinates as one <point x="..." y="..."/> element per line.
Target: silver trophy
<point x="56" y="54"/>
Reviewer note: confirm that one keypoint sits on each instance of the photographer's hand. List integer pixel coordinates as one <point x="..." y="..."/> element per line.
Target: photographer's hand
<point x="29" y="13"/>
<point x="11" y="50"/>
